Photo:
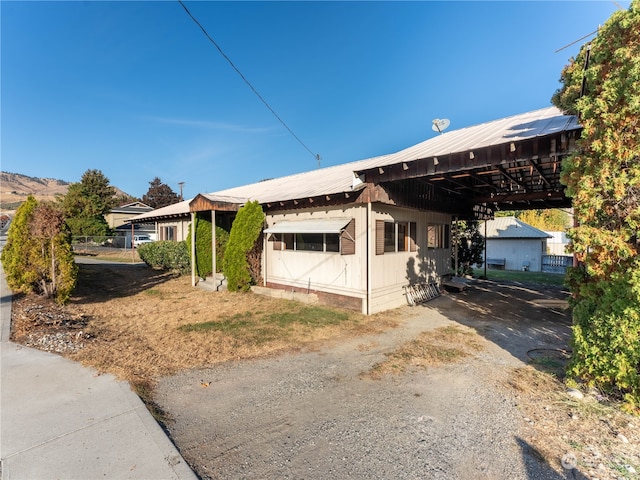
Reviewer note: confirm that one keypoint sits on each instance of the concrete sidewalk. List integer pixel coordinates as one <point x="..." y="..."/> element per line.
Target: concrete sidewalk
<point x="60" y="420"/>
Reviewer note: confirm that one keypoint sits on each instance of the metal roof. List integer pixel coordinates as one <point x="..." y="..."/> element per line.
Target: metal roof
<point x="347" y="177"/>
<point x="510" y="227"/>
<point x="538" y="123"/>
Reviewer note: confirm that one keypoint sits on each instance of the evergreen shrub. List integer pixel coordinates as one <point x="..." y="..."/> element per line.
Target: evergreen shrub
<point x="245" y="231"/>
<point x="166" y="255"/>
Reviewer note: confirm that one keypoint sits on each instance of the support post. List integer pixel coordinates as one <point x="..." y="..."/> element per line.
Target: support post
<point x="193" y="249"/>
<point x="213" y="246"/>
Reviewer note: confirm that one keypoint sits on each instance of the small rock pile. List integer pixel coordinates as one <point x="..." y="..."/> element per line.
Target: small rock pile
<point x="50" y="327"/>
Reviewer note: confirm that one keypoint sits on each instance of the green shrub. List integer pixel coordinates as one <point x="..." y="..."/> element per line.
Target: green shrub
<point x="166" y="255"/>
<point x="203" y="246"/>
<point x="245" y="231"/>
<point x="606" y="335"/>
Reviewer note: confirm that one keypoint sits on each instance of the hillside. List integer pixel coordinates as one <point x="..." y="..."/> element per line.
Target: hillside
<point x="15" y="188"/>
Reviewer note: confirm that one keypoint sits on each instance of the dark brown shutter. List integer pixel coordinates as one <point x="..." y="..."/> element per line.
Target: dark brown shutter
<point x="413" y="244"/>
<point x="348" y="238"/>
<point x="379" y="237"/>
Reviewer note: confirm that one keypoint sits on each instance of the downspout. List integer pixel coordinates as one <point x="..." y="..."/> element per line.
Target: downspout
<point x="369" y="259"/>
<point x="193" y="249"/>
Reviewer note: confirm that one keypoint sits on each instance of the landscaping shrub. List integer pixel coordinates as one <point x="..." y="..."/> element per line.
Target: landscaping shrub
<point x="38" y="256"/>
<point x="166" y="255"/>
<point x="245" y="231"/>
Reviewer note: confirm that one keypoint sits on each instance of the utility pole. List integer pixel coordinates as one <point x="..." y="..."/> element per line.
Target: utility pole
<point x="181" y="185"/>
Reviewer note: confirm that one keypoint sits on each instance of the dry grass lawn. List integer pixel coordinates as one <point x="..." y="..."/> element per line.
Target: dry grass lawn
<point x="142" y="324"/>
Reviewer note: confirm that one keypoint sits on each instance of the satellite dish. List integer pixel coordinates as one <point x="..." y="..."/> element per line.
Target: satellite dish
<point x="440" y="124"/>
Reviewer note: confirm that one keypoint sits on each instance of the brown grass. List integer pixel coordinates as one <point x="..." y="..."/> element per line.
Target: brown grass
<point x="443" y="345"/>
<point x="588" y="428"/>
<point x="141" y="323"/>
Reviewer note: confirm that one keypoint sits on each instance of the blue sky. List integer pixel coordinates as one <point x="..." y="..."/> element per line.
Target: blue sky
<point x="136" y="90"/>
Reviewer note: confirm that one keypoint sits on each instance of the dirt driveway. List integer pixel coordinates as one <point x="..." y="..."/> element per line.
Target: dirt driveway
<point x="317" y="414"/>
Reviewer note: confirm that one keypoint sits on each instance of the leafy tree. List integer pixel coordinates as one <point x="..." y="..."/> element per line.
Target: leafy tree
<point x="159" y="194"/>
<point x="470" y="245"/>
<point x="602" y="86"/>
<point x="245" y="231"/>
<point x="552" y="219"/>
<point x="87" y="202"/>
<point x="38" y="255"/>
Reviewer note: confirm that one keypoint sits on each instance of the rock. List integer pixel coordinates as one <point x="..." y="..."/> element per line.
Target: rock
<point x="575" y="393"/>
<point x="569" y="461"/>
<point x="622" y="438"/>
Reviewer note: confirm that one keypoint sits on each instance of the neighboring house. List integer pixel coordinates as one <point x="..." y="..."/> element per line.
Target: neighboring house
<point x="513" y="245"/>
<point x="121" y="215"/>
<point x="558" y="243"/>
<point x="356" y="233"/>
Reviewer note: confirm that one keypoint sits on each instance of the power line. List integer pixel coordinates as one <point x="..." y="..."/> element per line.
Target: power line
<point x="316" y="156"/>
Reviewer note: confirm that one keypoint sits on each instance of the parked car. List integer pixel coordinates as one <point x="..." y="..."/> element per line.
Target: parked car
<point x="140" y="239"/>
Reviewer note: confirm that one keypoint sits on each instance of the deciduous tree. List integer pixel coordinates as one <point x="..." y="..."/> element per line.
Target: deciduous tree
<point x="86" y="203"/>
<point x="602" y="86"/>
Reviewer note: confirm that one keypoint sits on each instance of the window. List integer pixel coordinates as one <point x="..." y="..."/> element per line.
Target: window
<point x="168" y="233"/>
<point x="307" y="235"/>
<point x="395" y="237"/>
<point x="438" y="236"/>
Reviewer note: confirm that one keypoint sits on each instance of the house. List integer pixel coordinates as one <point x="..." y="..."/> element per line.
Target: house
<point x="355" y="234"/>
<point x="511" y="244"/>
<point x="121" y="215"/>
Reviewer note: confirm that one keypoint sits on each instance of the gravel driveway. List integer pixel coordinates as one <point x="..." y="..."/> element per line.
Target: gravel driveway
<point x="313" y="414"/>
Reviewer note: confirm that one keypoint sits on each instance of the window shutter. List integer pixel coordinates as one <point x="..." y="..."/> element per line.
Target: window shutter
<point x="348" y="238"/>
<point x="413" y="229"/>
<point x="379" y="237"/>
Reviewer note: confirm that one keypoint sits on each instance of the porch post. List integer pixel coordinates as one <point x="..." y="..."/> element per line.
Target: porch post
<point x="213" y="244"/>
<point x="193" y="249"/>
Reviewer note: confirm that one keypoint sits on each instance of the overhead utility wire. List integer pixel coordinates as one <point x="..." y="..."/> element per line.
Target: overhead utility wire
<point x="316" y="156"/>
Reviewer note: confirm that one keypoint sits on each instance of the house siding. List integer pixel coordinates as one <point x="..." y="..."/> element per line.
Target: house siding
<point x="516" y="251"/>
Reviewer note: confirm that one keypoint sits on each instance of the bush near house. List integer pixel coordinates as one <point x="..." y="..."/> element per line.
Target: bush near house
<point x="166" y="255"/>
<point x="242" y="240"/>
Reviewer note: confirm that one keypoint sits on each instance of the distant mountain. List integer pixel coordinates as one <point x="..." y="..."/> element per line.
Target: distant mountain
<point x="15" y="188"/>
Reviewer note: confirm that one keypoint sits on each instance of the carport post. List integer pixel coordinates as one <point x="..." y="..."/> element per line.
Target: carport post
<point x="193" y="249"/>
<point x="213" y="246"/>
<point x="485" y="249"/>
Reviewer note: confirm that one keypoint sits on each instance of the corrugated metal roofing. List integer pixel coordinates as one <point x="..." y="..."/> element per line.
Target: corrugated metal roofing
<point x="342" y="178"/>
<point x="545" y="121"/>
<point x="510" y="227"/>
<point x="316" y="225"/>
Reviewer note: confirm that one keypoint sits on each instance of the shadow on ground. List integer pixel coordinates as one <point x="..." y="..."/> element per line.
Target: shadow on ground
<point x="532" y="323"/>
<point x="101" y="281"/>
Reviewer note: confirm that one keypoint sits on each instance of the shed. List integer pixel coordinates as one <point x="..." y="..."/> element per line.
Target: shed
<point x="513" y="245"/>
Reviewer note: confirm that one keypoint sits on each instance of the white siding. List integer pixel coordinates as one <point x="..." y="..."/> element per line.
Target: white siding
<point x="347" y="274"/>
<point x="329" y="272"/>
<point x="516" y="251"/>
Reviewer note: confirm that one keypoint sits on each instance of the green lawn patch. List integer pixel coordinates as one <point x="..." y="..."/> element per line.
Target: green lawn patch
<point x="522" y="277"/>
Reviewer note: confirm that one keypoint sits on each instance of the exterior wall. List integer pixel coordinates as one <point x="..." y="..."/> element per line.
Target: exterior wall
<point x="557" y="245"/>
<point x="391" y="271"/>
<point x="346" y="275"/>
<point x="329" y="272"/>
<point x="181" y="226"/>
<point x="516" y="251"/>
